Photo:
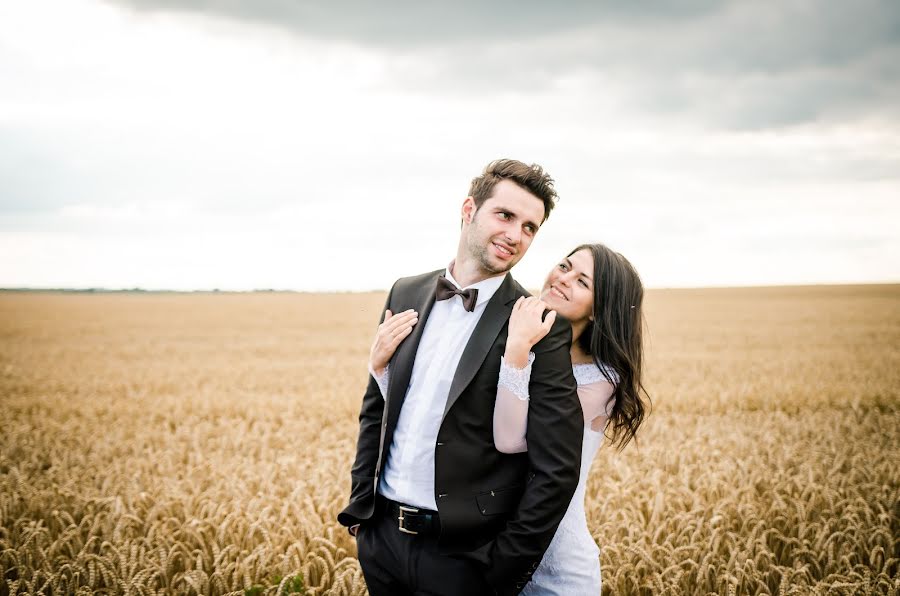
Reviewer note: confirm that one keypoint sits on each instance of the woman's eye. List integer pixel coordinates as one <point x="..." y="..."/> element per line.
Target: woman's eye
<point x="583" y="283"/>
<point x="562" y="267"/>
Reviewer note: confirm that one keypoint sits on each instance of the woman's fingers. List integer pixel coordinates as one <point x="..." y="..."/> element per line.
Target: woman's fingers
<point x="548" y="321"/>
<point x="533" y="302"/>
<point x="536" y="307"/>
<point x="530" y="307"/>
<point x="389" y="316"/>
<point x="391" y="332"/>
<point x="404" y="326"/>
<point x="390" y="326"/>
<point x="401" y="336"/>
<point x="526" y="303"/>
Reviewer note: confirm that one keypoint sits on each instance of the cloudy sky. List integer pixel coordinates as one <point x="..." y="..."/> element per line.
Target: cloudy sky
<point x="237" y="144"/>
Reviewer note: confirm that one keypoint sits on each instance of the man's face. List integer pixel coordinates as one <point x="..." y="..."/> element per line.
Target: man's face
<point x="500" y="231"/>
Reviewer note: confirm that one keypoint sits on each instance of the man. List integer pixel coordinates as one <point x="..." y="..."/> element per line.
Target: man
<point x="436" y="509"/>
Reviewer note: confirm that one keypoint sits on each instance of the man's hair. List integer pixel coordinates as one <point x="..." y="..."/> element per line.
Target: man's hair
<point x="532" y="178"/>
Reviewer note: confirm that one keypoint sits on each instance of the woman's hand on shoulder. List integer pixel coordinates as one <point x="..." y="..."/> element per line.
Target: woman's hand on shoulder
<point x="391" y="332"/>
<point x="527" y="326"/>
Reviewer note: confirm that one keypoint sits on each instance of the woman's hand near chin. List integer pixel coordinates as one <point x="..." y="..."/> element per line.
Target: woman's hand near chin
<point x="391" y="332"/>
<point x="527" y="326"/>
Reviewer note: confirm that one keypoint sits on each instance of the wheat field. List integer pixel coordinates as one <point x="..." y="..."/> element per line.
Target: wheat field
<point x="201" y="443"/>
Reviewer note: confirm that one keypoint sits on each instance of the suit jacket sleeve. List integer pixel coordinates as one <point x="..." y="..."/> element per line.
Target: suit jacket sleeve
<point x="554" y="436"/>
<point x="362" y="474"/>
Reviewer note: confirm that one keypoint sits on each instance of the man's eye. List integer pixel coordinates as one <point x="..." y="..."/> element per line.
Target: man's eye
<point x="503" y="215"/>
<point x="530" y="229"/>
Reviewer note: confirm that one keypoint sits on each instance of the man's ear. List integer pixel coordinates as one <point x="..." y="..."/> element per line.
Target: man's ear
<point x="468" y="210"/>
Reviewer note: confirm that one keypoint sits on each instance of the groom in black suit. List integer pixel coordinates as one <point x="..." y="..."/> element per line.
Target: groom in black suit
<point x="436" y="509"/>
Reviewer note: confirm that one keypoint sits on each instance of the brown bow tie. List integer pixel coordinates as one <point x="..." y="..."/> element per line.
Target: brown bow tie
<point x="446" y="290"/>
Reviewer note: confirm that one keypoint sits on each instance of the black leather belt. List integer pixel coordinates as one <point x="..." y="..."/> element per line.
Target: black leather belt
<point x="413" y="520"/>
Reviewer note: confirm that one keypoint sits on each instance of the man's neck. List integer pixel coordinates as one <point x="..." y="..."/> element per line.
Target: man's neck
<point x="467" y="272"/>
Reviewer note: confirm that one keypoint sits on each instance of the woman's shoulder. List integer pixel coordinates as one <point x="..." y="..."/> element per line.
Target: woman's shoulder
<point x="588" y="372"/>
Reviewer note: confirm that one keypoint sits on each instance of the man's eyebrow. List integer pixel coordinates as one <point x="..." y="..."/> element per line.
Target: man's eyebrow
<point x="501" y="208"/>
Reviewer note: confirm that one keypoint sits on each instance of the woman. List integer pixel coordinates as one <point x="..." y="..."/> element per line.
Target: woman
<point x="599" y="292"/>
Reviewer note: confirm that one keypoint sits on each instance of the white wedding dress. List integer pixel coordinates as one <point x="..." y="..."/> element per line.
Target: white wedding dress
<point x="571" y="564"/>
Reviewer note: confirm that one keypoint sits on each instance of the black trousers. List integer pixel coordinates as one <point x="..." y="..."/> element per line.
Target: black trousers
<point x="399" y="564"/>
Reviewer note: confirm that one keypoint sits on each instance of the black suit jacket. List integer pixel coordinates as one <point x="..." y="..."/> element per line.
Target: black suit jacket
<point x="499" y="509"/>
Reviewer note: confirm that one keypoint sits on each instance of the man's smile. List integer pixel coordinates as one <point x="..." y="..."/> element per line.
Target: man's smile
<point x="503" y="251"/>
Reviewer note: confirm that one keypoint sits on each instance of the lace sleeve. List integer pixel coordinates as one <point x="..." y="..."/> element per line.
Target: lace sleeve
<point x="597" y="402"/>
<point x="511" y="407"/>
<point x="382" y="379"/>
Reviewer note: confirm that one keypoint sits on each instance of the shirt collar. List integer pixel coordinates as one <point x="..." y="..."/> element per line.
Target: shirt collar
<point x="486" y="287"/>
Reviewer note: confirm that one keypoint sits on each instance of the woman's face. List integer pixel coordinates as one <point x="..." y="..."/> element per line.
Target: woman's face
<point x="569" y="289"/>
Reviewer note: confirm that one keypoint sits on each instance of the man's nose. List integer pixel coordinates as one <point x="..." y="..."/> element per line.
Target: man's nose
<point x="513" y="235"/>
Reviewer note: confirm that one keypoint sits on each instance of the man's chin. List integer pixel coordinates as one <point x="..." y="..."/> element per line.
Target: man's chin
<point x="498" y="267"/>
<point x="492" y="265"/>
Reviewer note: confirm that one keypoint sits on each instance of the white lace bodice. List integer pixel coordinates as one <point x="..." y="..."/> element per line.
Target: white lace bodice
<point x="588" y="372"/>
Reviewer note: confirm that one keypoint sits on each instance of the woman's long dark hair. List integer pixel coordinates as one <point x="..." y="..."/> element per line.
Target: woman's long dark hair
<point x="615" y="337"/>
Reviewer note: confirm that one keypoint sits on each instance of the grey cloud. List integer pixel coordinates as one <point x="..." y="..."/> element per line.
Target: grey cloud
<point x="397" y="23"/>
<point x="737" y="65"/>
<point x="867" y="90"/>
<point x="749" y="66"/>
<point x="735" y="35"/>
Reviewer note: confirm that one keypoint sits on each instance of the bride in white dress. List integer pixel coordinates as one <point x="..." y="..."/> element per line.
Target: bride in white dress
<point x="599" y="292"/>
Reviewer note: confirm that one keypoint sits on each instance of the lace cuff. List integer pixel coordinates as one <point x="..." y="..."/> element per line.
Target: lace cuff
<point x="516" y="379"/>
<point x="383" y="379"/>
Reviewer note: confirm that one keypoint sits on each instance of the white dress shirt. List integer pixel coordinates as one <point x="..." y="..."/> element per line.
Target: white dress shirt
<point x="408" y="475"/>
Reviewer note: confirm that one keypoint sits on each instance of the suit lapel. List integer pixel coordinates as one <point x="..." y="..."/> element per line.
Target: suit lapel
<point x="495" y="315"/>
<point x="402" y="363"/>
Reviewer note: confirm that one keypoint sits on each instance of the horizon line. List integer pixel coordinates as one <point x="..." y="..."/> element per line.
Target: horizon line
<point x="140" y="290"/>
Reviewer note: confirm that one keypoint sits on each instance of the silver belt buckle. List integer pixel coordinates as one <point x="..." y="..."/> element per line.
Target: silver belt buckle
<point x="400" y="518"/>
